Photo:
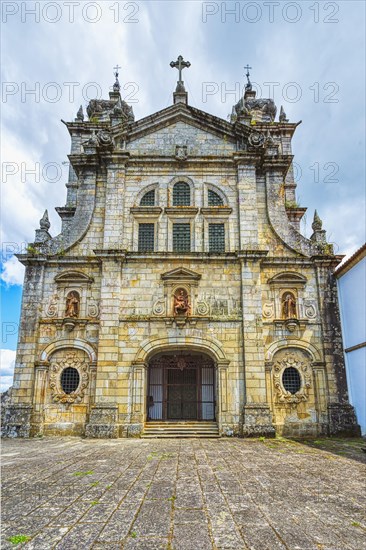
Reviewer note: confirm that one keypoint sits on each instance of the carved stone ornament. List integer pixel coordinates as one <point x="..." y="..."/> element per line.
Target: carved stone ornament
<point x="159" y="307"/>
<point x="296" y="360"/>
<point x="256" y="139"/>
<point x="105" y="139"/>
<point x="181" y="152"/>
<point x="52" y="306"/>
<point x="57" y="393"/>
<point x="202" y="308"/>
<point x="309" y="309"/>
<point x="268" y="310"/>
<point x="93" y="309"/>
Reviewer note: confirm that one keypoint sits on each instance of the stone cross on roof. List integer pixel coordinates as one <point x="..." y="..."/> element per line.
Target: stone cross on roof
<point x="248" y="86"/>
<point x="180" y="64"/>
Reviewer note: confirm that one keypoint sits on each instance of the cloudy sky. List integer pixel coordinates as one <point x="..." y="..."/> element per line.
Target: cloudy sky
<point x="308" y="56"/>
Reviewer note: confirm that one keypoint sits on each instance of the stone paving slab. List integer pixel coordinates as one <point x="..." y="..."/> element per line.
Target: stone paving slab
<point x="71" y="493"/>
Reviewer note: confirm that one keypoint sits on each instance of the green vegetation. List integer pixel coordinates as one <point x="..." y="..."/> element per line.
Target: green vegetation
<point x="81" y="474"/>
<point x="18" y="539"/>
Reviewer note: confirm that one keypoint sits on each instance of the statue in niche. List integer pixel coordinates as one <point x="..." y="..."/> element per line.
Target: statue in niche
<point x="181" y="302"/>
<point x="289" y="306"/>
<point x="72" y="304"/>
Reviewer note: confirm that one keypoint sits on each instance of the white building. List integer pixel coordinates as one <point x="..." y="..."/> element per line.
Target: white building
<point x="352" y="299"/>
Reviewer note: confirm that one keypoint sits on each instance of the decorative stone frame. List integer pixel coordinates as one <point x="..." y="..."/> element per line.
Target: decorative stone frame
<point x="209" y="346"/>
<point x="281" y="284"/>
<point x="71" y="281"/>
<point x="174" y="280"/>
<point x="292" y="359"/>
<point x="57" y="393"/>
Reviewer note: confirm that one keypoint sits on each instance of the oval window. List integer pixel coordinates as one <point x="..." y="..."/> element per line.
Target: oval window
<point x="291" y="380"/>
<point x="70" y="379"/>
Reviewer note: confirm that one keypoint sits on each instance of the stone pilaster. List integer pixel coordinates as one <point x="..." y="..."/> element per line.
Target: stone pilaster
<point x="342" y="418"/>
<point x="257" y="418"/>
<point x="247" y="197"/>
<point x="138" y="401"/>
<point x="41" y="371"/>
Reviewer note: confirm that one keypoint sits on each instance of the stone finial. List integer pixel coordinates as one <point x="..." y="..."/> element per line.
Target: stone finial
<point x="317" y="222"/>
<point x="80" y="114"/>
<point x="283" y="117"/>
<point x="42" y="234"/>
<point x="269" y="141"/>
<point x="116" y="85"/>
<point x="319" y="237"/>
<point x="44" y="222"/>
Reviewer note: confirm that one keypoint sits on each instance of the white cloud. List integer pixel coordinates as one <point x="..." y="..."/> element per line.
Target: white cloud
<point x="7" y="368"/>
<point x="13" y="272"/>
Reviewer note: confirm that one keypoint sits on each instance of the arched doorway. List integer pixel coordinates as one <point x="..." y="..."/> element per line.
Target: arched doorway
<point x="181" y="386"/>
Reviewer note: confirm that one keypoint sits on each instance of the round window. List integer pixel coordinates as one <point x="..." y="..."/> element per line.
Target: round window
<point x="291" y="380"/>
<point x="70" y="379"/>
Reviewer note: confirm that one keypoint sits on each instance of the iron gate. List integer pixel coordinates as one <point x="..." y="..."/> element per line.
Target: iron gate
<point x="181" y="387"/>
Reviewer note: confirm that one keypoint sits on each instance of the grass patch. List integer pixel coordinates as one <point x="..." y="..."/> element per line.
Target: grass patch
<point x="82" y="474"/>
<point x="133" y="534"/>
<point x="94" y="483"/>
<point x="18" y="539"/>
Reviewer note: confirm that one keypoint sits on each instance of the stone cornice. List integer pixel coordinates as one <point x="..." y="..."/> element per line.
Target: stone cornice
<point x="42" y="259"/>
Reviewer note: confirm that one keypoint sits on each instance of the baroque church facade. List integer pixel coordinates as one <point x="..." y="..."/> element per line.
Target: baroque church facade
<point x="180" y="288"/>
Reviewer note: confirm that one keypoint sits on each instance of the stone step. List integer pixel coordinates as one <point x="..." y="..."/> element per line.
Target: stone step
<point x="180" y="436"/>
<point x="158" y="429"/>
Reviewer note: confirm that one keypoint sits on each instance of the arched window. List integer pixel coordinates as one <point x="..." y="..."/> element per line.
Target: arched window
<point x="214" y="199"/>
<point x="291" y="380"/>
<point x="148" y="199"/>
<point x="181" y="194"/>
<point x="70" y="379"/>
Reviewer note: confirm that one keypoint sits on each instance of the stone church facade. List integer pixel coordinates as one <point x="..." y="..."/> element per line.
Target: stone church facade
<point x="180" y="287"/>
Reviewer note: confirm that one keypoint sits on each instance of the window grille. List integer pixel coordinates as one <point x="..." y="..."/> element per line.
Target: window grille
<point x="214" y="199"/>
<point x="70" y="379"/>
<point x="291" y="380"/>
<point x="181" y="237"/>
<point x="181" y="194"/>
<point x="146" y="237"/>
<point x="148" y="199"/>
<point x="216" y="237"/>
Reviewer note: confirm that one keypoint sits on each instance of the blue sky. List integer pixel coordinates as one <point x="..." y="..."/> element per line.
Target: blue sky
<point x="311" y="54"/>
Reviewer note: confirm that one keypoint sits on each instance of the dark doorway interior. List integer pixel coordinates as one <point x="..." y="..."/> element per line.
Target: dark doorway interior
<point x="181" y="387"/>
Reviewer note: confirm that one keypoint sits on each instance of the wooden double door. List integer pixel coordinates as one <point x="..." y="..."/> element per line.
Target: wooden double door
<point x="181" y="387"/>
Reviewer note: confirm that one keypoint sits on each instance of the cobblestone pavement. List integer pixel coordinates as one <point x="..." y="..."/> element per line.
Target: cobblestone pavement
<point x="183" y="494"/>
